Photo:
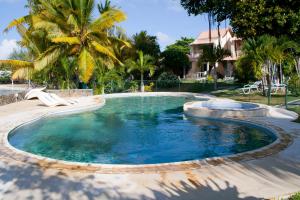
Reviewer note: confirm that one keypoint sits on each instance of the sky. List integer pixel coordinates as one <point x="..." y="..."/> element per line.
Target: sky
<point x="165" y="19"/>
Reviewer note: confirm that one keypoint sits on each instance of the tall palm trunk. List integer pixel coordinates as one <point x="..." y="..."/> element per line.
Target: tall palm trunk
<point x="142" y="82"/>
<point x="297" y="65"/>
<point x="281" y="74"/>
<point x="215" y="77"/>
<point x="209" y="25"/>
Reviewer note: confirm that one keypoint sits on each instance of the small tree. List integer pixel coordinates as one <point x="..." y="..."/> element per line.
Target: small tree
<point x="214" y="55"/>
<point x="143" y="64"/>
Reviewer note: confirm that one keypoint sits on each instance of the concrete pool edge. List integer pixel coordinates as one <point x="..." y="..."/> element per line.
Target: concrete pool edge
<point x="283" y="140"/>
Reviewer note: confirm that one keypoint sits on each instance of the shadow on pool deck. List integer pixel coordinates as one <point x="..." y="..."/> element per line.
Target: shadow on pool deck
<point x="30" y="182"/>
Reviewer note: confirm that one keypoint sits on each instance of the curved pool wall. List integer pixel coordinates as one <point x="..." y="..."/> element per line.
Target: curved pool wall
<point x="65" y="147"/>
<point x="225" y="108"/>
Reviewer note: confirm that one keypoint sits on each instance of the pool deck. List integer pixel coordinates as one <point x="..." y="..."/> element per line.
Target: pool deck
<point x="273" y="175"/>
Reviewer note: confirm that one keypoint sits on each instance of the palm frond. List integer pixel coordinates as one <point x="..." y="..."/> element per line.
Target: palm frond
<point x="86" y="65"/>
<point x="107" y="20"/>
<point x="68" y="40"/>
<point x="22" y="74"/>
<point x="104" y="50"/>
<point x="49" y="57"/>
<point x="16" y="22"/>
<point x="16" y="64"/>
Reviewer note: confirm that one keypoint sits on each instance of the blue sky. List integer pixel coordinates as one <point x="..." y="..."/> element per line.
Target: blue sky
<point x="164" y="18"/>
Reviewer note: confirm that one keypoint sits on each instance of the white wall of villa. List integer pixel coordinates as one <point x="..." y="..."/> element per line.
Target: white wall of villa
<point x="227" y="41"/>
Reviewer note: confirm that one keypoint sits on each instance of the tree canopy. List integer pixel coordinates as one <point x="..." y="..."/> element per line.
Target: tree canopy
<point x="252" y="18"/>
<point x="146" y="43"/>
<point x="56" y="29"/>
<point x="175" y="56"/>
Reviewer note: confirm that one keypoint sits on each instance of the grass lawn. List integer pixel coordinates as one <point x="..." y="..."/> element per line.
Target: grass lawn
<point x="254" y="97"/>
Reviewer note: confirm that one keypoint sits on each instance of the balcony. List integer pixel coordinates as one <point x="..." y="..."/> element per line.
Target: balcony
<point x="194" y="56"/>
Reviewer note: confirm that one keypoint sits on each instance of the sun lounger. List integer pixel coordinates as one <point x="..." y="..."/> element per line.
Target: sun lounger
<point x="50" y="101"/>
<point x="247" y="89"/>
<point x="275" y="88"/>
<point x="32" y="94"/>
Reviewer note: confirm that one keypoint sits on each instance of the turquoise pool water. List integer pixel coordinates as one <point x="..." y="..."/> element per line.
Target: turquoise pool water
<point x="137" y="130"/>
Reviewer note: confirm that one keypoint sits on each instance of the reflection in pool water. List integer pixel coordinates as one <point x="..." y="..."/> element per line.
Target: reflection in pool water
<point x="137" y="130"/>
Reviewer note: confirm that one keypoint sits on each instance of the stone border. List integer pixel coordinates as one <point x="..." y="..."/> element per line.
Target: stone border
<point x="12" y="98"/>
<point x="72" y="92"/>
<point x="282" y="141"/>
<point x="197" y="111"/>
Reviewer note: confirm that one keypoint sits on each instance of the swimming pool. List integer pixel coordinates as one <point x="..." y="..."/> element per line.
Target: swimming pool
<point x="137" y="130"/>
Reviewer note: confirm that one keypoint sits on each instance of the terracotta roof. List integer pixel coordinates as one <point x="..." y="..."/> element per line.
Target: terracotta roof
<point x="203" y="38"/>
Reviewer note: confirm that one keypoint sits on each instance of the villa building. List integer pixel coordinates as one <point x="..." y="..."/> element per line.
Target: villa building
<point x="225" y="69"/>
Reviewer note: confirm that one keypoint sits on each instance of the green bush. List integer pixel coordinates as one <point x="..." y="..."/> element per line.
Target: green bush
<point x="5" y="80"/>
<point x="294" y="85"/>
<point x="210" y="79"/>
<point x="132" y="86"/>
<point x="295" y="197"/>
<point x="167" y="80"/>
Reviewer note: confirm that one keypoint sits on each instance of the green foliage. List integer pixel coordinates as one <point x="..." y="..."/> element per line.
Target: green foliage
<point x="213" y="55"/>
<point x="107" y="80"/>
<point x="294" y="85"/>
<point x="175" y="56"/>
<point x="5" y="77"/>
<point x="210" y="79"/>
<point x="132" y="86"/>
<point x="149" y="88"/>
<point x="247" y="70"/>
<point x="146" y="43"/>
<point x="57" y="29"/>
<point x="260" y="54"/>
<point x="104" y="7"/>
<point x="259" y="17"/>
<point x="252" y="18"/>
<point x="167" y="80"/>
<point x="295" y="197"/>
<point x="143" y="64"/>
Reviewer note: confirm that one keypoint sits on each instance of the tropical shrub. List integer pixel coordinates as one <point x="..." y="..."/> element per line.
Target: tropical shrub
<point x="167" y="80"/>
<point x="4" y="77"/>
<point x="175" y="56"/>
<point x="149" y="88"/>
<point x="144" y="63"/>
<point x="247" y="70"/>
<point x="210" y="79"/>
<point x="294" y="85"/>
<point x="295" y="197"/>
<point x="134" y="86"/>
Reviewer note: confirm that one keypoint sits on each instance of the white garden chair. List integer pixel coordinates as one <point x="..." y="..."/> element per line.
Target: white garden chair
<point x="247" y="89"/>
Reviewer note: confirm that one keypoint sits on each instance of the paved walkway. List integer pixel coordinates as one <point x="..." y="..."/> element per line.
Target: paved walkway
<point x="267" y="177"/>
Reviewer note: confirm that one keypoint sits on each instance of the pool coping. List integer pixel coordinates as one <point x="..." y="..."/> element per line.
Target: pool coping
<point x="283" y="141"/>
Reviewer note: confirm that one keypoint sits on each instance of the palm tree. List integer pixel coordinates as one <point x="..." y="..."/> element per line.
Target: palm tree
<point x="143" y="64"/>
<point x="257" y="53"/>
<point x="214" y="55"/>
<point x="104" y="7"/>
<point x="282" y="51"/>
<point x="71" y="31"/>
<point x="105" y="76"/>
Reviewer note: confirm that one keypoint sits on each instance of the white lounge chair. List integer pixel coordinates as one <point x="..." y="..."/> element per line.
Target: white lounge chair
<point x="56" y="97"/>
<point x="50" y="101"/>
<point x="32" y="94"/>
<point x="247" y="89"/>
<point x="276" y="87"/>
